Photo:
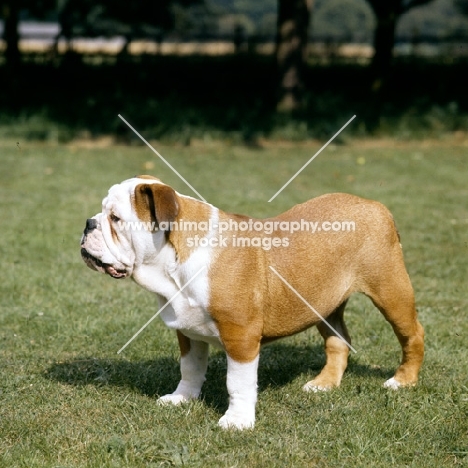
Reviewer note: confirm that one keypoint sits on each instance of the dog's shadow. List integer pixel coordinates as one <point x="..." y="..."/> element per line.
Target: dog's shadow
<point x="280" y="364"/>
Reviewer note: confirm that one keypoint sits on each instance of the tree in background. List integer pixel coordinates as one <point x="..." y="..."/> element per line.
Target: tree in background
<point x="90" y="17"/>
<point x="256" y="18"/>
<point x="340" y="21"/>
<point x="387" y="13"/>
<point x="462" y="6"/>
<point x="142" y="18"/>
<point x="291" y="47"/>
<point x="10" y="13"/>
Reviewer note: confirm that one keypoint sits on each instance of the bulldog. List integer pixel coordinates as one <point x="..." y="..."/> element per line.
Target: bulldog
<point x="238" y="282"/>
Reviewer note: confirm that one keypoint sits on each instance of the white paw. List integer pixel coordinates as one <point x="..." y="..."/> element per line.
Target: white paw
<point x="237" y="421"/>
<point x="392" y="383"/>
<point x="311" y="387"/>
<point x="173" y="399"/>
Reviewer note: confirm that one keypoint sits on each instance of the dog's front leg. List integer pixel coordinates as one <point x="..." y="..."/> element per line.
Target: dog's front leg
<point x="193" y="365"/>
<point x="242" y="389"/>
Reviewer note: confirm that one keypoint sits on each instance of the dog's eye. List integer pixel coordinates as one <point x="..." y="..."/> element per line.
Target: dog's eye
<point x="114" y="218"/>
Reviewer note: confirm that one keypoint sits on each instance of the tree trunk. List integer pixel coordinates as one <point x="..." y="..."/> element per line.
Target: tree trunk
<point x="291" y="46"/>
<point x="386" y="14"/>
<point x="10" y="33"/>
<point x="384" y="39"/>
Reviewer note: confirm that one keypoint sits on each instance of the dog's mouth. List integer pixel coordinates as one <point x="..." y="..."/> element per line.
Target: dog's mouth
<point x="96" y="264"/>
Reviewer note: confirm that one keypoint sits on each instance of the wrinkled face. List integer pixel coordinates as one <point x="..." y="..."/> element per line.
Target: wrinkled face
<point x="119" y="238"/>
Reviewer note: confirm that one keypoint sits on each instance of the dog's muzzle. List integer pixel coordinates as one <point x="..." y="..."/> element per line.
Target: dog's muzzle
<point x="93" y="262"/>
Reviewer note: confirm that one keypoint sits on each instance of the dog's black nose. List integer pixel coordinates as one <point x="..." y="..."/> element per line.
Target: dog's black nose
<point x="90" y="225"/>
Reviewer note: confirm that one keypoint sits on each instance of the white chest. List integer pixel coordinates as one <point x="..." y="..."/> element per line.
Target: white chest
<point x="183" y="290"/>
<point x="193" y="321"/>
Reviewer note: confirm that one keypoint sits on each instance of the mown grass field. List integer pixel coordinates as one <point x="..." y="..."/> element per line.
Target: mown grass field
<point x="68" y="400"/>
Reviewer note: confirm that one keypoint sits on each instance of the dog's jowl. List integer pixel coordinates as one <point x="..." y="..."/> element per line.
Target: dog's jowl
<point x="237" y="282"/>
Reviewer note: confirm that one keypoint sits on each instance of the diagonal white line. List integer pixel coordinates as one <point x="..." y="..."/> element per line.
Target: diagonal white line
<point x="311" y="308"/>
<point x="312" y="158"/>
<point x="162" y="159"/>
<point x="161" y="309"/>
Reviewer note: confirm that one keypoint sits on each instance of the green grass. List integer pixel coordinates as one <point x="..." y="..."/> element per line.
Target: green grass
<point x="68" y="400"/>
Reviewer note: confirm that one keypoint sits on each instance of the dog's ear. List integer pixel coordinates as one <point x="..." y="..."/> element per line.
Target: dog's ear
<point x="156" y="203"/>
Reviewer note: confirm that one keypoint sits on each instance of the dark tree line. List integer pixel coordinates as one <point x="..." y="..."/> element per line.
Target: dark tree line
<point x="130" y="18"/>
<point x="293" y="21"/>
<point x="134" y="19"/>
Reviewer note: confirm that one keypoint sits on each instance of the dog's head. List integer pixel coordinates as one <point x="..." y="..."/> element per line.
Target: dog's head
<point x="132" y="225"/>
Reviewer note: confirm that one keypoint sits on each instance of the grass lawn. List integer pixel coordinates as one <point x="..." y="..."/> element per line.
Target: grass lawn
<point x="67" y="398"/>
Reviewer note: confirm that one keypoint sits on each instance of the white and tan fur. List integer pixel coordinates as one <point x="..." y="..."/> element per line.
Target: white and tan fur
<point x="237" y="303"/>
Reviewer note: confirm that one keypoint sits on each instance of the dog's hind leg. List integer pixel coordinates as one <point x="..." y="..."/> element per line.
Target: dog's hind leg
<point x="336" y="351"/>
<point x="394" y="297"/>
